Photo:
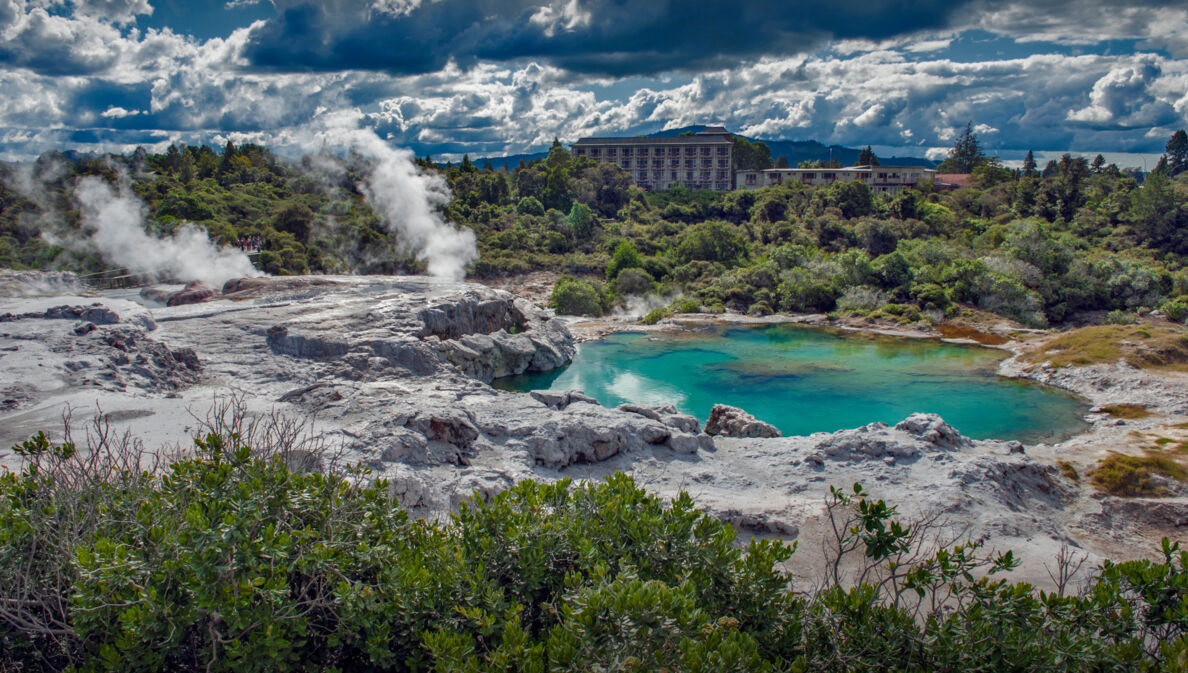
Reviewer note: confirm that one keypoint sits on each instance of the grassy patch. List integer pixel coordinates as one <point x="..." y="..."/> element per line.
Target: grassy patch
<point x="1130" y="411"/>
<point x="1146" y="346"/>
<point x="1124" y="475"/>
<point x="1069" y="471"/>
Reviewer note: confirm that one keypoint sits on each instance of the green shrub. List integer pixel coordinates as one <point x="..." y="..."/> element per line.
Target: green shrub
<point x="237" y="560"/>
<point x="530" y="205"/>
<point x="759" y="308"/>
<point x="713" y="241"/>
<point x="861" y="298"/>
<point x="1117" y="317"/>
<point x="576" y="297"/>
<point x="686" y="305"/>
<point x="625" y="257"/>
<point x="634" y="282"/>
<point x="1175" y="309"/>
<point x="654" y="316"/>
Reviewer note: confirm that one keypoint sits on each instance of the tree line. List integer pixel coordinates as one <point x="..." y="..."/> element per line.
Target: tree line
<point x="1040" y="247"/>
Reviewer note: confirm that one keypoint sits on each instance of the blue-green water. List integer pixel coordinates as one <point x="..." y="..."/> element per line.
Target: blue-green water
<point x="806" y="380"/>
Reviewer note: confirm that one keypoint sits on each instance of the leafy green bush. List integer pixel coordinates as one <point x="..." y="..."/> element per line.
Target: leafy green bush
<point x="654" y="316"/>
<point x="634" y="282"/>
<point x="1175" y="309"/>
<point x="713" y="241"/>
<point x="530" y="205"/>
<point x="1117" y="317"/>
<point x="861" y="298"/>
<point x="686" y="305"/>
<point x="625" y="257"/>
<point x="576" y="297"/>
<point x="237" y="560"/>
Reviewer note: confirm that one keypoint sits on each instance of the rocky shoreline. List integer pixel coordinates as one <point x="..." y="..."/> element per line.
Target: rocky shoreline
<point x="393" y="372"/>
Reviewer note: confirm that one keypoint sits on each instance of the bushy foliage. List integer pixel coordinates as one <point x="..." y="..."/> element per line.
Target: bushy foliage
<point x="572" y="296"/>
<point x="233" y="560"/>
<point x="625" y="257"/>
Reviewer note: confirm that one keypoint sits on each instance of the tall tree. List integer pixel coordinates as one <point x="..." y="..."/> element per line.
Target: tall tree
<point x="1029" y="164"/>
<point x="225" y="165"/>
<point x="966" y="154"/>
<point x="781" y="161"/>
<point x="172" y="160"/>
<point x="751" y="156"/>
<point x="1163" y="167"/>
<point x="1097" y="165"/>
<point x="867" y="158"/>
<point x="1177" y="152"/>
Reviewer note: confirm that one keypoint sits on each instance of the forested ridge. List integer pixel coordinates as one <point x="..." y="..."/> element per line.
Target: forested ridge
<point x="1037" y="246"/>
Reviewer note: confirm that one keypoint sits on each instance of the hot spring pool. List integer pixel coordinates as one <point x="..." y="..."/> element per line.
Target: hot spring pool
<point x="806" y="380"/>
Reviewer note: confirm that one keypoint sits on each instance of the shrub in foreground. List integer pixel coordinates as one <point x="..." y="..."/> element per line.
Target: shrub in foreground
<point x="229" y="560"/>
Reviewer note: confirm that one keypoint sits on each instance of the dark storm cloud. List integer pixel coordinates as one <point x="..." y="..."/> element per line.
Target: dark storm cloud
<point x="613" y="37"/>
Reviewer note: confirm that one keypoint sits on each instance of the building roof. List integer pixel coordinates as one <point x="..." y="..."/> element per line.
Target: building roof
<point x="677" y="140"/>
<point x="958" y="179"/>
<point x="845" y="169"/>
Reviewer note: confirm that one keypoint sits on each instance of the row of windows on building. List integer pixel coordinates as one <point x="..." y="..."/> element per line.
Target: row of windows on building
<point x="658" y="176"/>
<point x="614" y="152"/>
<point x="674" y="163"/>
<point x="827" y="176"/>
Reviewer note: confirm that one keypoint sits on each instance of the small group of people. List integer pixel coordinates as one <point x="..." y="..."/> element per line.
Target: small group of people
<point x="254" y="243"/>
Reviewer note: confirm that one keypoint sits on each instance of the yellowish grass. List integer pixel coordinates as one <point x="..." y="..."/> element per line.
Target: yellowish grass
<point x="1145" y="346"/>
<point x="1067" y="469"/>
<point x="1128" y="411"/>
<point x="1131" y="476"/>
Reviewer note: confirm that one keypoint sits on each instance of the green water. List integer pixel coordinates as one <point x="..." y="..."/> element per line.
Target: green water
<point x="806" y="380"/>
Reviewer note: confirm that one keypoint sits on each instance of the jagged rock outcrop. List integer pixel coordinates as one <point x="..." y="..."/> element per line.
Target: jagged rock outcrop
<point x="734" y="422"/>
<point x="585" y="432"/>
<point x="482" y="333"/>
<point x="491" y="338"/>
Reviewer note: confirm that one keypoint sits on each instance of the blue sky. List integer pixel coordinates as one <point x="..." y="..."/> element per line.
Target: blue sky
<point x="494" y="77"/>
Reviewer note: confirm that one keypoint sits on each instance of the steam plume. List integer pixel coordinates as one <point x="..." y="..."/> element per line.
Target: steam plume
<point x="406" y="199"/>
<point x="115" y="222"/>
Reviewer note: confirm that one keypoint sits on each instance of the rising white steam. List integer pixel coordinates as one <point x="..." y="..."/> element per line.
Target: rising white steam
<point x="406" y="199"/>
<point x="114" y="225"/>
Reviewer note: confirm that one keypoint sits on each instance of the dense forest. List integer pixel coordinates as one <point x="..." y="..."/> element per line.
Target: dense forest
<point x="1039" y="246"/>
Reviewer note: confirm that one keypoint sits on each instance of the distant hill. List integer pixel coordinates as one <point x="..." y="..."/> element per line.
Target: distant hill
<point x="796" y="151"/>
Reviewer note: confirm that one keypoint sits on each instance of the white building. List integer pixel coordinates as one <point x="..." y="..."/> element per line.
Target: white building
<point x="881" y="179"/>
<point x="701" y="161"/>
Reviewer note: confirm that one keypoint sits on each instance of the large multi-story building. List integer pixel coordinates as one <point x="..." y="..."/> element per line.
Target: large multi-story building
<point x="881" y="179"/>
<point x="700" y="161"/>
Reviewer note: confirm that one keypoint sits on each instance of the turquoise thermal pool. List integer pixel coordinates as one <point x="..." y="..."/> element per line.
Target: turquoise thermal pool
<point x="806" y="380"/>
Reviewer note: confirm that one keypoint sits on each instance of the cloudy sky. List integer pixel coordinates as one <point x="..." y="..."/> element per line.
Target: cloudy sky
<point x="493" y="77"/>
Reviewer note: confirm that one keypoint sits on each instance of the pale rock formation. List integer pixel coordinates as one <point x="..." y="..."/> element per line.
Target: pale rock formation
<point x="734" y="422"/>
